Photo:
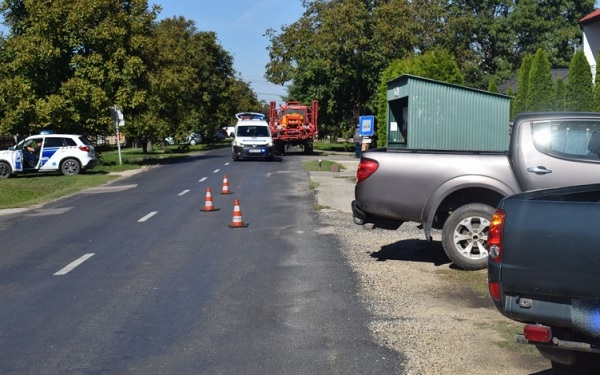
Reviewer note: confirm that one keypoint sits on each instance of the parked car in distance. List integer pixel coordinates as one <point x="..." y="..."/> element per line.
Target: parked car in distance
<point x="218" y="136"/>
<point x="229" y="131"/>
<point x="191" y="139"/>
<point x="69" y="154"/>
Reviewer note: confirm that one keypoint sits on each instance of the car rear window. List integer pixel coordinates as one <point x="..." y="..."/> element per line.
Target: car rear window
<point x="82" y="140"/>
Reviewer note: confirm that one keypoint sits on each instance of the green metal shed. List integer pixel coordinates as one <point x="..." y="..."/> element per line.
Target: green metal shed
<point x="433" y="115"/>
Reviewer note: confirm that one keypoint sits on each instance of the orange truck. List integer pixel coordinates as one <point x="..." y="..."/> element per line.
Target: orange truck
<point x="293" y="124"/>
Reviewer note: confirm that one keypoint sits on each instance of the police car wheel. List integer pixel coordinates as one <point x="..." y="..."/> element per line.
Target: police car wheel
<point x="5" y="170"/>
<point x="70" y="167"/>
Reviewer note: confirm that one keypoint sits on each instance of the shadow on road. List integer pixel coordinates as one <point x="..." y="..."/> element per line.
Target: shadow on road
<point x="413" y="250"/>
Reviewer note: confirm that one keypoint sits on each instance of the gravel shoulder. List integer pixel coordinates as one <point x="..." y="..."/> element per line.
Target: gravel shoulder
<point x="435" y="315"/>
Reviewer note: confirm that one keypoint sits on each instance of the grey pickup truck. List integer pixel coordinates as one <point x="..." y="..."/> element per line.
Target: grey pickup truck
<point x="543" y="270"/>
<point x="457" y="191"/>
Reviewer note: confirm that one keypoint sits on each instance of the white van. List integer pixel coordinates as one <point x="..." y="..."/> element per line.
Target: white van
<point x="252" y="138"/>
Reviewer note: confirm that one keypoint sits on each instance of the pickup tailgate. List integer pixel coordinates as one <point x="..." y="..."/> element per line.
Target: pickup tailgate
<point x="551" y="248"/>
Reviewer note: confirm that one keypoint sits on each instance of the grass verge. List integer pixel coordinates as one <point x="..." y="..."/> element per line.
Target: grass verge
<point x="27" y="190"/>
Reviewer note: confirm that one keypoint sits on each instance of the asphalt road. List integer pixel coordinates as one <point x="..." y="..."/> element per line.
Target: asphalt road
<point x="133" y="278"/>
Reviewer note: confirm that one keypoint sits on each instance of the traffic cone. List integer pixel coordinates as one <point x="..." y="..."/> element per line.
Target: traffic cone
<point x="225" y="189"/>
<point x="208" y="202"/>
<point x="237" y="216"/>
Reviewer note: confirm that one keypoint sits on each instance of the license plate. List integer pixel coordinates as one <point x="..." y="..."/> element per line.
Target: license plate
<point x="255" y="150"/>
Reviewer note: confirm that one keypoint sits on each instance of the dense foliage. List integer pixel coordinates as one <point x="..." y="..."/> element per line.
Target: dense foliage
<point x="338" y="50"/>
<point x="64" y="64"/>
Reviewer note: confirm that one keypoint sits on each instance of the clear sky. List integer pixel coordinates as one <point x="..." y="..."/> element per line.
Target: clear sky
<point x="240" y="26"/>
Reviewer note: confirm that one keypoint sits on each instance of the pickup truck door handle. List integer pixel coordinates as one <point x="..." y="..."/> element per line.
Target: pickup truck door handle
<point x="539" y="170"/>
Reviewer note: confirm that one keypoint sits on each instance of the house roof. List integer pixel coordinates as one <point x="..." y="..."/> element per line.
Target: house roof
<point x="562" y="73"/>
<point x="592" y="17"/>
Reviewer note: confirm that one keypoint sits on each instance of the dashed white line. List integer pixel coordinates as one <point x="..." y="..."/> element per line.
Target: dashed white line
<point x="202" y="179"/>
<point x="227" y="163"/>
<point x="71" y="266"/>
<point x="183" y="192"/>
<point x="216" y="171"/>
<point x="147" y="216"/>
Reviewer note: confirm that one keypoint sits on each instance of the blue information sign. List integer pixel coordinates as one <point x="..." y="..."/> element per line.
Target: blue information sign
<point x="366" y="125"/>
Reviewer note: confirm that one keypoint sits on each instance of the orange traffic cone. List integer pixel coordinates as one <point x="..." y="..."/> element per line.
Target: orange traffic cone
<point x="237" y="216"/>
<point x="208" y="202"/>
<point x="225" y="189"/>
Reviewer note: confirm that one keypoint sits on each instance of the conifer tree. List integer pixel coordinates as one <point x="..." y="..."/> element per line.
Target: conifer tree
<point x="579" y="89"/>
<point x="513" y="112"/>
<point x="540" y="91"/>
<point x="522" y="85"/>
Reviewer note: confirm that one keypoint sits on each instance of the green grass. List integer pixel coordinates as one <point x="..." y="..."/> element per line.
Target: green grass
<point x="26" y="190"/>
<point x="326" y="165"/>
<point x="32" y="189"/>
<point x="337" y="147"/>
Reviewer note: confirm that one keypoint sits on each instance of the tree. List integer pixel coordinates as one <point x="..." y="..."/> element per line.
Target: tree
<point x="335" y="53"/>
<point x="191" y="80"/>
<point x="550" y="25"/>
<point x="65" y="64"/>
<point x="523" y="85"/>
<point x="579" y="89"/>
<point x="540" y="91"/>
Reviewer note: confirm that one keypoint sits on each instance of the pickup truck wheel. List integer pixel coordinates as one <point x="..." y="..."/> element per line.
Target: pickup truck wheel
<point x="5" y="170"/>
<point x="70" y="167"/>
<point x="465" y="234"/>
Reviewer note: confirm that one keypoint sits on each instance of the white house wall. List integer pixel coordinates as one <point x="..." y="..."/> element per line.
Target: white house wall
<point x="591" y="44"/>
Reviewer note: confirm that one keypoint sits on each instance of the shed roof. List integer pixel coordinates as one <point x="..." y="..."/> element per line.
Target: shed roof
<point x="409" y="76"/>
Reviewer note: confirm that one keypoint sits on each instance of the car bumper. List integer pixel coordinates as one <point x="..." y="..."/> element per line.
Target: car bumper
<point x="248" y="152"/>
<point x="91" y="164"/>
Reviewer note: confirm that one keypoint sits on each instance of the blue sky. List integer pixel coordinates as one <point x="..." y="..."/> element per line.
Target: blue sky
<point x="240" y="26"/>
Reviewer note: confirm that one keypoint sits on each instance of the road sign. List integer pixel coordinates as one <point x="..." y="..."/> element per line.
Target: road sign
<point x="366" y="125"/>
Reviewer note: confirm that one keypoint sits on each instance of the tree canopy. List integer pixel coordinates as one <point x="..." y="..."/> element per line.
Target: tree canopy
<point x="65" y="63"/>
<point x="338" y="49"/>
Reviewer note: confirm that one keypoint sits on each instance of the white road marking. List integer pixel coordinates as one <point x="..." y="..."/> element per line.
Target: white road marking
<point x="202" y="179"/>
<point x="71" y="266"/>
<point x="183" y="192"/>
<point x="227" y="163"/>
<point x="216" y="171"/>
<point x="49" y="211"/>
<point x="109" y="189"/>
<point x="147" y="216"/>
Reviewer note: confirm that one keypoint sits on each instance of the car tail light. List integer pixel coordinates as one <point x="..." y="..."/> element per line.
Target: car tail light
<point x="366" y="168"/>
<point x="537" y="333"/>
<point x="494" y="242"/>
<point x="85" y="148"/>
<point x="495" y="290"/>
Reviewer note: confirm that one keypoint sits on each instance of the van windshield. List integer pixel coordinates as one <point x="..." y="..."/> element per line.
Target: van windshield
<point x="252" y="131"/>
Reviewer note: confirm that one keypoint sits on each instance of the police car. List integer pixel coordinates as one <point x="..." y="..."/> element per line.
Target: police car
<point x="252" y="137"/>
<point x="65" y="153"/>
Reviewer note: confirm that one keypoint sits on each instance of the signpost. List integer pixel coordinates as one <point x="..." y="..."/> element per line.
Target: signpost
<point x="118" y="120"/>
<point x="366" y="128"/>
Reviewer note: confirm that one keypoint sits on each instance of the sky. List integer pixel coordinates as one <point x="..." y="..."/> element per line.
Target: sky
<point x="240" y="26"/>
